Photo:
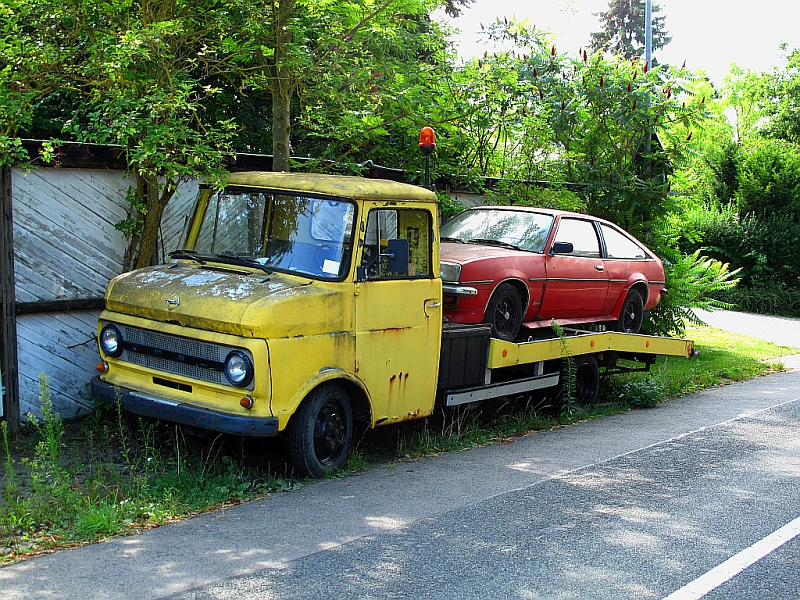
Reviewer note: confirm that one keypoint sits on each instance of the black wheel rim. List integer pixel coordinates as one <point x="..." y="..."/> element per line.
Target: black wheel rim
<point x="629" y="316"/>
<point x="504" y="316"/>
<point x="330" y="433"/>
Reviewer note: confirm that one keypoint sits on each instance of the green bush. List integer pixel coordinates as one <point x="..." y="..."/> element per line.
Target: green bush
<point x="530" y="194"/>
<point x="642" y="393"/>
<point x="768" y="179"/>
<point x="765" y="299"/>
<point x="765" y="248"/>
<point x="693" y="281"/>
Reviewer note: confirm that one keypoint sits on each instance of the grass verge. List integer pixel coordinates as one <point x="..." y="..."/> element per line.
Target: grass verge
<point x="71" y="484"/>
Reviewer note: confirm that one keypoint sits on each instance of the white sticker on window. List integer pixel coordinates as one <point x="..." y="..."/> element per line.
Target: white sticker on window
<point x="331" y="267"/>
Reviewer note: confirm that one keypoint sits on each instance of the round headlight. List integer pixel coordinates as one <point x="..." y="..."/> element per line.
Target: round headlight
<point x="111" y="340"/>
<point x="238" y="368"/>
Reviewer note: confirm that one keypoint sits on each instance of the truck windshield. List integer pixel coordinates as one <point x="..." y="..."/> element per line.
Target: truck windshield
<point x="281" y="231"/>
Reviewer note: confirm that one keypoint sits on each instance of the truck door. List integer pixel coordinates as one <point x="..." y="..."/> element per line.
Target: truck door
<point x="398" y="304"/>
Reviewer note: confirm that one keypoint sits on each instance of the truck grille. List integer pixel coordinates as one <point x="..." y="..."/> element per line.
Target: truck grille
<point x="177" y="355"/>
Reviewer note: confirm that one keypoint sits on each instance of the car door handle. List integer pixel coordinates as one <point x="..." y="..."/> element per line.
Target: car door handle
<point x="600" y="267"/>
<point x="429" y="304"/>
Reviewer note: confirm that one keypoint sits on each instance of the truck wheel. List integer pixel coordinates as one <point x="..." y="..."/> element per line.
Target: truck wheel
<point x="630" y="319"/>
<point x="587" y="380"/>
<point x="504" y="312"/>
<point x="321" y="432"/>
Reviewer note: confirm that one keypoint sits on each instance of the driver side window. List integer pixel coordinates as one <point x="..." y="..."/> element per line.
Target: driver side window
<point x="582" y="235"/>
<point x="384" y="254"/>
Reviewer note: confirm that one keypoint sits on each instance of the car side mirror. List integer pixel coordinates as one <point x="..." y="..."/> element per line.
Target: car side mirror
<point x="397" y="256"/>
<point x="561" y="248"/>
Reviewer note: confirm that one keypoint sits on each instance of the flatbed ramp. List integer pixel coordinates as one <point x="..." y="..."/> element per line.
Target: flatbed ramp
<point x="575" y="343"/>
<point x="508" y="354"/>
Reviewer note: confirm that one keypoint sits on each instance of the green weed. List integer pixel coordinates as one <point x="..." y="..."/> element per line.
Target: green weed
<point x="112" y="474"/>
<point x="115" y="475"/>
<point x="569" y="373"/>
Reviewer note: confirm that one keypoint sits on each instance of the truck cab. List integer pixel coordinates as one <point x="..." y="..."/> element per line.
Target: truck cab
<point x="300" y="304"/>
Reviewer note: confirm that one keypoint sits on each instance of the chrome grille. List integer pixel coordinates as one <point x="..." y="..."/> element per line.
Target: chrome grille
<point x="204" y="351"/>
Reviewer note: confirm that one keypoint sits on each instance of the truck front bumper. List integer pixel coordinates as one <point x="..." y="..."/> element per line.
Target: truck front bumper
<point x="185" y="414"/>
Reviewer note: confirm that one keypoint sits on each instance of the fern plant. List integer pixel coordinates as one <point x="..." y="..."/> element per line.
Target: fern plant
<point x="691" y="279"/>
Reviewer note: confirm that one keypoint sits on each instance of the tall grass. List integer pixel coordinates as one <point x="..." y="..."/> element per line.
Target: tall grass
<point x="118" y="475"/>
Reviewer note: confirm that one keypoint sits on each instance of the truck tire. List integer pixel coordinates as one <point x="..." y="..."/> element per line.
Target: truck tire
<point x="587" y="380"/>
<point x="504" y="312"/>
<point x="321" y="432"/>
<point x="630" y="318"/>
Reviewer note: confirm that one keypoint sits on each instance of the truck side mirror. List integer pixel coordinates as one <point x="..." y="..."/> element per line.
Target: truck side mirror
<point x="561" y="248"/>
<point x="397" y="256"/>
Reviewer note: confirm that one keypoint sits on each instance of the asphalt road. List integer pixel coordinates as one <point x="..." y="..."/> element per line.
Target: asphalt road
<point x="637" y="505"/>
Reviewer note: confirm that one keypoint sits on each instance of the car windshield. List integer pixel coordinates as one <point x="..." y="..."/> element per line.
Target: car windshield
<point x="521" y="229"/>
<point x="282" y="231"/>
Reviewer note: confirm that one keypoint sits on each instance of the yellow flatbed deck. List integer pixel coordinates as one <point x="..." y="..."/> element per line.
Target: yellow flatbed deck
<point x="509" y="354"/>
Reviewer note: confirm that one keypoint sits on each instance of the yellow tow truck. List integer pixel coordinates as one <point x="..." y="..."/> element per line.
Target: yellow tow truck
<point x="303" y="304"/>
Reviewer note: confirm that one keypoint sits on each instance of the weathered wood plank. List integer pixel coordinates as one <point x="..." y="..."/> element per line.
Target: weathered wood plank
<point x="64" y="249"/>
<point x="63" y="347"/>
<point x="102" y="192"/>
<point x="59" y="349"/>
<point x="33" y="308"/>
<point x="9" y="373"/>
<point x="174" y="220"/>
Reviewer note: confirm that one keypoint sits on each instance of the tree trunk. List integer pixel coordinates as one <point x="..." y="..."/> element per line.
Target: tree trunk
<point x="281" y="131"/>
<point x="156" y="203"/>
<point x="282" y="91"/>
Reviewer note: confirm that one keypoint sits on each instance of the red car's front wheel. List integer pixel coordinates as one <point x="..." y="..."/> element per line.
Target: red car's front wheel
<point x="504" y="312"/>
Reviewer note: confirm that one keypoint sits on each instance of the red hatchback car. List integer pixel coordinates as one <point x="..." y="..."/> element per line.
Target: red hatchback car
<point x="514" y="266"/>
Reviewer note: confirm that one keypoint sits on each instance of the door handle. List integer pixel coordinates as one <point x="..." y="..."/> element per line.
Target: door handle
<point x="600" y="267"/>
<point x="429" y="304"/>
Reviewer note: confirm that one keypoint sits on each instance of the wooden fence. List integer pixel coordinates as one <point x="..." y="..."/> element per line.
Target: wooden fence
<point x="65" y="250"/>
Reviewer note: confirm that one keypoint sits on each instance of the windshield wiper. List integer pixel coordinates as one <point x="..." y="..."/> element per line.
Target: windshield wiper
<point x="451" y="239"/>
<point x="189" y="254"/>
<point x="244" y="261"/>
<point x="490" y="242"/>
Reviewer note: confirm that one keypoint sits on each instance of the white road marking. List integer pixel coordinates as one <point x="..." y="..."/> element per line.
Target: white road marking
<point x="736" y="564"/>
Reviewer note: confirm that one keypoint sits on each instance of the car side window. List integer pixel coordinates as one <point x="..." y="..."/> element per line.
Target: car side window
<point x="582" y="235"/>
<point x="385" y="225"/>
<point x="621" y="246"/>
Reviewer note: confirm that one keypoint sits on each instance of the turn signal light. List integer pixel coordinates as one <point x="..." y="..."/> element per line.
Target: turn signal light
<point x="102" y="367"/>
<point x="247" y="402"/>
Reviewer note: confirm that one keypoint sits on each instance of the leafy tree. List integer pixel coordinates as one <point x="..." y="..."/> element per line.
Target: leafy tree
<point x="623" y="30"/>
<point x="332" y="55"/>
<point x="768" y="178"/>
<point x="35" y="35"/>
<point x="584" y="120"/>
<point x="171" y="83"/>
<point x="144" y="89"/>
